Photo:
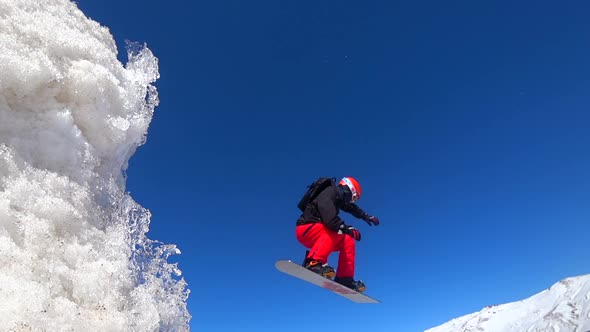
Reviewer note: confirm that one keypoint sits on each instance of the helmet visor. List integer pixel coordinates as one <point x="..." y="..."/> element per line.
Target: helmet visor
<point x="353" y="191"/>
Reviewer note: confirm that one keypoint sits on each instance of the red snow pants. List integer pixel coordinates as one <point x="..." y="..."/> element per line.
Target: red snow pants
<point x="322" y="241"/>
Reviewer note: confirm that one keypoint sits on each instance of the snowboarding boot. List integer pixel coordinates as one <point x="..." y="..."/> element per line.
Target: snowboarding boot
<point x="324" y="270"/>
<point x="349" y="282"/>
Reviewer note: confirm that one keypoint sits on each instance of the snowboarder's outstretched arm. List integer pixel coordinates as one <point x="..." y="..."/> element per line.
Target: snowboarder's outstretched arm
<point x="354" y="209"/>
<point x="357" y="212"/>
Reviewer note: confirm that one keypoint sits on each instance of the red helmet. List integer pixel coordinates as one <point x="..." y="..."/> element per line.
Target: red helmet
<point x="353" y="185"/>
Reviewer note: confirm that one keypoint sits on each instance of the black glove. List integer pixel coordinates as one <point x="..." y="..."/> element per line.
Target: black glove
<point x="371" y="220"/>
<point x="349" y="230"/>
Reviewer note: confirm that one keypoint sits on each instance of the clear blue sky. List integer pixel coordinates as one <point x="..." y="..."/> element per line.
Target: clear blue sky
<point x="466" y="123"/>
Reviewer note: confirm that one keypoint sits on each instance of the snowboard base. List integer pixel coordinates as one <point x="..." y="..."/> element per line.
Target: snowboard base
<point x="295" y="270"/>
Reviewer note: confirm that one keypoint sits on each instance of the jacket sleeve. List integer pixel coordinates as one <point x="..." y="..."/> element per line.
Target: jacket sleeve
<point x="355" y="210"/>
<point x="328" y="209"/>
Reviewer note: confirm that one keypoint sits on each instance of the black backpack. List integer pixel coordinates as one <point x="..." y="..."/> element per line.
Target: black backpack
<point x="313" y="191"/>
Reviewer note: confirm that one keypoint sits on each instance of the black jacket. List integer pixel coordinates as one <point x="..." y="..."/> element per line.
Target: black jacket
<point x="326" y="206"/>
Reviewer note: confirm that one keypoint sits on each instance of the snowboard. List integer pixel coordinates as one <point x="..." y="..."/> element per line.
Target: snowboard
<point x="296" y="270"/>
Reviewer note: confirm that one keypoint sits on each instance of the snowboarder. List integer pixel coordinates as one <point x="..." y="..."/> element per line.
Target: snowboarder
<point x="320" y="229"/>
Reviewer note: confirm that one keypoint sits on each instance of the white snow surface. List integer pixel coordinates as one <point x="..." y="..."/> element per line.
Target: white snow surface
<point x="564" y="307"/>
<point x="74" y="255"/>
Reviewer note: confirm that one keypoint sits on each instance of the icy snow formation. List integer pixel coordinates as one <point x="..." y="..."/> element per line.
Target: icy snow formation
<point x="565" y="307"/>
<point x="74" y="255"/>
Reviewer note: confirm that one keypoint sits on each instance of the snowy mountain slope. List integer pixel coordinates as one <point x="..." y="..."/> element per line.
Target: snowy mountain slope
<point x="562" y="308"/>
